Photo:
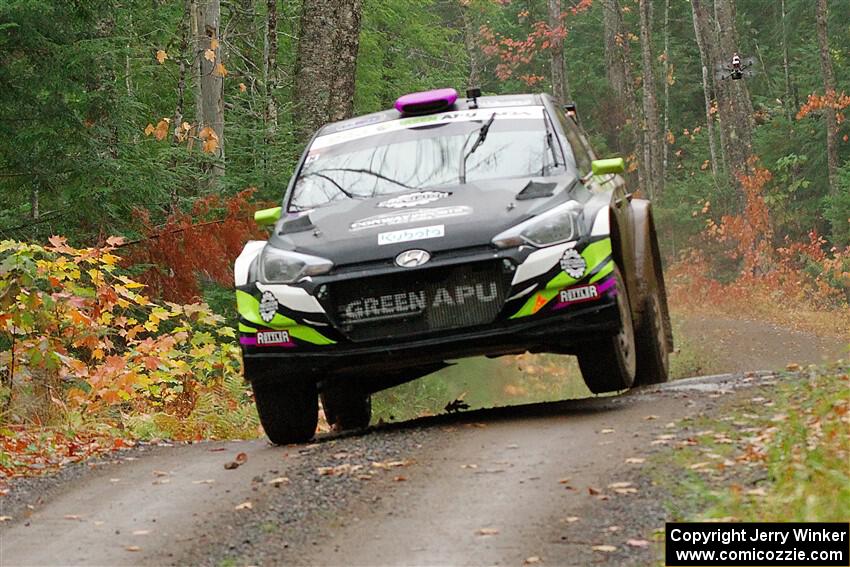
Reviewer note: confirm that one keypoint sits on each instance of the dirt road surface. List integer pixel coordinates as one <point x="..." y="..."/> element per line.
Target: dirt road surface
<point x="505" y="486"/>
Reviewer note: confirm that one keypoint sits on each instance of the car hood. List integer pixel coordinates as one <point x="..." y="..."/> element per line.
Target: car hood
<point x="436" y="219"/>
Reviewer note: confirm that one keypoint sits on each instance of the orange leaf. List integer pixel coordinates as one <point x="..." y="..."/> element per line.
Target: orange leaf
<point x="149" y="129"/>
<point x="209" y="55"/>
<point x="243" y="88"/>
<point x="220" y="70"/>
<point x="161" y="129"/>
<point x="161" y="56"/>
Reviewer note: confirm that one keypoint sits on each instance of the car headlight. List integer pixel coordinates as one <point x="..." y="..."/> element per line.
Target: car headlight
<point x="282" y="266"/>
<point x="557" y="225"/>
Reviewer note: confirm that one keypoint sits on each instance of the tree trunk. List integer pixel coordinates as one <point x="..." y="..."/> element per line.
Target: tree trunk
<point x="315" y="62"/>
<point x="346" y="46"/>
<point x="560" y="86"/>
<point x="270" y="71"/>
<point x="787" y="98"/>
<point x="735" y="106"/>
<point x="667" y="76"/>
<point x="209" y="52"/>
<point x="699" y="33"/>
<point x="470" y="36"/>
<point x="621" y="79"/>
<point x="829" y="90"/>
<point x="652" y="138"/>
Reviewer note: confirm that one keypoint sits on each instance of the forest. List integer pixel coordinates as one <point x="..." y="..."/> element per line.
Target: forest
<point x="137" y="137"/>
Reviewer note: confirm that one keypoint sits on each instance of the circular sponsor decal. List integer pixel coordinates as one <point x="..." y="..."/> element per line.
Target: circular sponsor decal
<point x="268" y="306"/>
<point x="573" y="264"/>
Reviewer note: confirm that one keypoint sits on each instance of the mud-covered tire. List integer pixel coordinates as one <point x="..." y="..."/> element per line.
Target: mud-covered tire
<point x="609" y="364"/>
<point x="346" y="408"/>
<point x="288" y="409"/>
<point x="653" y="360"/>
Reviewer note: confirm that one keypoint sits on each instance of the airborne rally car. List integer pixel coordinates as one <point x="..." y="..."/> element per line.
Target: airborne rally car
<point x="441" y="229"/>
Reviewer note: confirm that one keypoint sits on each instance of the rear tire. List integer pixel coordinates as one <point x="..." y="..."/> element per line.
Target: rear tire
<point x="288" y="409"/>
<point x="346" y="408"/>
<point x="653" y="360"/>
<point x="609" y="364"/>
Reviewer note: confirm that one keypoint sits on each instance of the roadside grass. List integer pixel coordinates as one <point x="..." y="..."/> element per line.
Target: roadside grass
<point x="781" y="455"/>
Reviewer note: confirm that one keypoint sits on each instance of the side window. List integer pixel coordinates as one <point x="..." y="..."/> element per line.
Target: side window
<point x="580" y="150"/>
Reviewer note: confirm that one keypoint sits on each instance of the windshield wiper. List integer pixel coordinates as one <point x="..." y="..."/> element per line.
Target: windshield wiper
<point x="482" y="135"/>
<point x="550" y="141"/>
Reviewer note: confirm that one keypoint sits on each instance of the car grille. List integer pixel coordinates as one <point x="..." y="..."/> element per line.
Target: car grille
<point x="422" y="301"/>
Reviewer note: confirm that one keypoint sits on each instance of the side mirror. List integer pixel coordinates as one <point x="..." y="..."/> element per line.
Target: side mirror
<point x="267" y="217"/>
<point x="608" y="166"/>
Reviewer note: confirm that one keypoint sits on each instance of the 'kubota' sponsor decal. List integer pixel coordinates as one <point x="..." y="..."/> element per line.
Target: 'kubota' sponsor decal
<point x="414" y="302"/>
<point x="411" y="234"/>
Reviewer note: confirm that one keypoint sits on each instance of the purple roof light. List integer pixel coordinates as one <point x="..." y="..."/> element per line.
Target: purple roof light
<point x="425" y="102"/>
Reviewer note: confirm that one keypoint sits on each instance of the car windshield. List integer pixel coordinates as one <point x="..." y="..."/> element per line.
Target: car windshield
<point x="422" y="152"/>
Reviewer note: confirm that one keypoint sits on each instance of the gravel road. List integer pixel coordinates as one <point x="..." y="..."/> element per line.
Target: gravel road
<point x="504" y="486"/>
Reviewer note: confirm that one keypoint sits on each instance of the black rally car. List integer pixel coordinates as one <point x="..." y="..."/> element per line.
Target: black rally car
<point x="446" y="228"/>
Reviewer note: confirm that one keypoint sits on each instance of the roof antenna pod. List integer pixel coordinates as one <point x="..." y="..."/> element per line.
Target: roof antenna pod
<point x="472" y="95"/>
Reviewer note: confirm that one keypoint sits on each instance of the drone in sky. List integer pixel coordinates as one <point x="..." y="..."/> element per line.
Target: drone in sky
<point x="736" y="69"/>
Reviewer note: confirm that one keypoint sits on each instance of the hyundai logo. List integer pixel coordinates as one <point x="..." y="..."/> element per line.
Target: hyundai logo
<point x="412" y="258"/>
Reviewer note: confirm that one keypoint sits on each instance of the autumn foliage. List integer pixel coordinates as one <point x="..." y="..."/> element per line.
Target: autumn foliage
<point x="739" y="265"/>
<point x="78" y="338"/>
<point x="194" y="246"/>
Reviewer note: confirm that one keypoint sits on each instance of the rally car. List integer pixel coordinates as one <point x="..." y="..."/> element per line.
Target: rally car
<point x="444" y="228"/>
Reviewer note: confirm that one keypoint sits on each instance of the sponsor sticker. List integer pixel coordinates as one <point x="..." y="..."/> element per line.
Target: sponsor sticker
<point x="411" y="234"/>
<point x="579" y="294"/>
<point x="409" y="217"/>
<point x="415" y="302"/>
<point x="573" y="264"/>
<point x="413" y="199"/>
<point x="268" y="306"/>
<point x="273" y="338"/>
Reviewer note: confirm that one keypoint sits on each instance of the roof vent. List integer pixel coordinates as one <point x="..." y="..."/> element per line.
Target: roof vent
<point x="426" y="102"/>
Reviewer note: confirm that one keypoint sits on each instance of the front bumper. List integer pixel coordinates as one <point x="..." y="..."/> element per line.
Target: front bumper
<point x="544" y="310"/>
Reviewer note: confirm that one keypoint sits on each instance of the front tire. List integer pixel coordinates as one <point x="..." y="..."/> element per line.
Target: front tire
<point x="288" y="409"/>
<point x="653" y="360"/>
<point x="346" y="408"/>
<point x="609" y="364"/>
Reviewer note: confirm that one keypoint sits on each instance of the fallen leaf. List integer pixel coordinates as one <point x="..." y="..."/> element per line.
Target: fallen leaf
<point x="487" y="531"/>
<point x="242" y="458"/>
<point x="133" y="548"/>
<point x="141" y="532"/>
<point x="391" y="464"/>
<point x="205" y="481"/>
<point x="604" y="548"/>
<point x="5" y="518"/>
<point x="593" y="491"/>
<point x="651" y="417"/>
<point x="606" y="431"/>
<point x="242" y="87"/>
<point x="72" y="517"/>
<point x="619" y="485"/>
<point x="570" y="519"/>
<point x="757" y="492"/>
<point x="698" y="466"/>
<point x="614" y="528"/>
<point x="161" y="56"/>
<point x="231" y="465"/>
<point x="114" y="480"/>
<point x="625" y="490"/>
<point x="400" y="478"/>
<point x="278" y="481"/>
<point x="534" y="559"/>
<point x="637" y="543"/>
<point x="635" y="461"/>
<point x="244" y="506"/>
<point x="564" y="481"/>
<point x="792" y="367"/>
<point x="160" y="473"/>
